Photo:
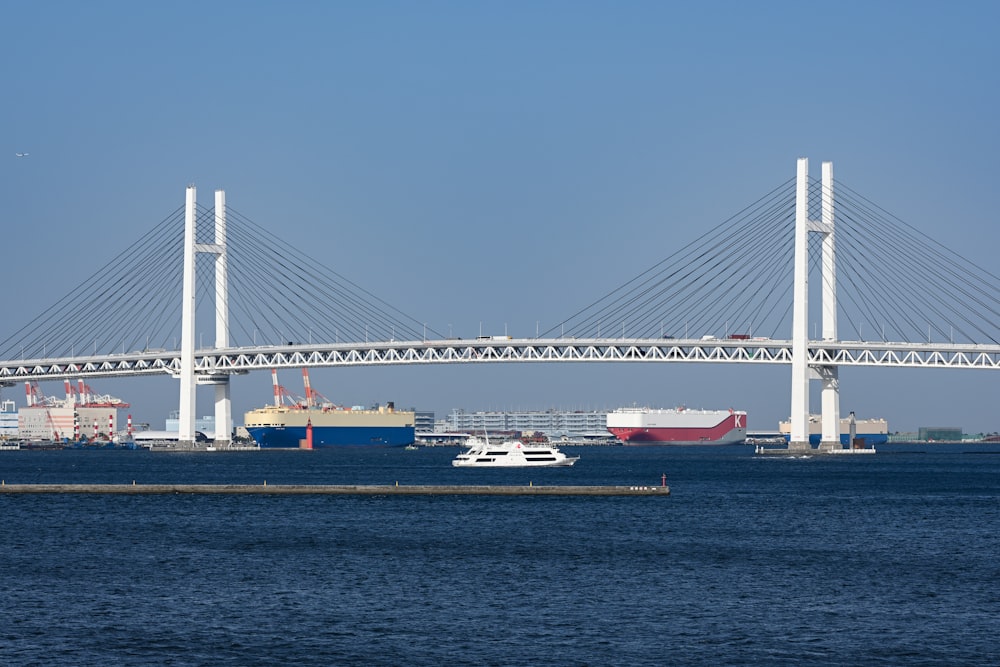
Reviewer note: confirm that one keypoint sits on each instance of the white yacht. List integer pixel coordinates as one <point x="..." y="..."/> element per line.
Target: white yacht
<point x="510" y="454"/>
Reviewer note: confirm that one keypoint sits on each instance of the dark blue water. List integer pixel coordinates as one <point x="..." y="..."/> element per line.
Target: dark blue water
<point x="886" y="560"/>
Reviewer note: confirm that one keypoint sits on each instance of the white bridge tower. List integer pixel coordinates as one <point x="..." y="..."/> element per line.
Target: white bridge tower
<point x="801" y="371"/>
<point x="189" y="380"/>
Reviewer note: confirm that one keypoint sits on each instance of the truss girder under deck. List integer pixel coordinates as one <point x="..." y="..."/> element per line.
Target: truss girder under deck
<point x="243" y="360"/>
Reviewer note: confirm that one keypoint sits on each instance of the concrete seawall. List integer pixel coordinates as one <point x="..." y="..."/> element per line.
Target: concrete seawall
<point x="341" y="490"/>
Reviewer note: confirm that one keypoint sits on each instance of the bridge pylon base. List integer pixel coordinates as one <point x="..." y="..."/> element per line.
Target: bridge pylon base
<point x="829" y="446"/>
<point x="799" y="446"/>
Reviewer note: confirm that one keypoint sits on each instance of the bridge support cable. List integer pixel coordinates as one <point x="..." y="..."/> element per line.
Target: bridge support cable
<point x="277" y="294"/>
<point x="876" y="317"/>
<point x="735" y="268"/>
<point x="866" y="282"/>
<point x="125" y="295"/>
<point x="285" y="294"/>
<point x="930" y="290"/>
<point x="745" y="286"/>
<point x="717" y="275"/>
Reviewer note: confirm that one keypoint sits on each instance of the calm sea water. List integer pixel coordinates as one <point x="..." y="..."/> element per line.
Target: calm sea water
<point x="884" y="560"/>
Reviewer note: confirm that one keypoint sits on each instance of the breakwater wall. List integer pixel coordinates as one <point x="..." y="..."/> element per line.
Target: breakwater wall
<point x="333" y="489"/>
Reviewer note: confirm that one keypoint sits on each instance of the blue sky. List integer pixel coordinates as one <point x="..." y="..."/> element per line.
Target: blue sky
<point x="497" y="163"/>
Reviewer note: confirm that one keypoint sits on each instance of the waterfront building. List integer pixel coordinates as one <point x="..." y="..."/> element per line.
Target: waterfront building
<point x="8" y="420"/>
<point x="549" y="422"/>
<point x="66" y="422"/>
<point x="423" y="422"/>
<point x="205" y="424"/>
<point x="940" y="433"/>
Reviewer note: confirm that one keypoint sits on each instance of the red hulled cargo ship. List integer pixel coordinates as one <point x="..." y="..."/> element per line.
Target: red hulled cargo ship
<point x="678" y="426"/>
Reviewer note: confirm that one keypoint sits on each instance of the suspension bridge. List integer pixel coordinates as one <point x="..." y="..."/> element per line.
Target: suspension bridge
<point x="878" y="292"/>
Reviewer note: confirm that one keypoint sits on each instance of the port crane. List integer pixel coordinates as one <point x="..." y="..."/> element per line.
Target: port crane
<point x="91" y="399"/>
<point x="312" y="399"/>
<point x="282" y="396"/>
<point x="312" y="395"/>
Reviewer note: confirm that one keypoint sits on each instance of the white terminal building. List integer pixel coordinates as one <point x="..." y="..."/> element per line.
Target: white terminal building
<point x="550" y="422"/>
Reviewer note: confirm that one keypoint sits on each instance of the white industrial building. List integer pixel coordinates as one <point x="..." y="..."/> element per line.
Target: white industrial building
<point x="550" y="422"/>
<point x="81" y="415"/>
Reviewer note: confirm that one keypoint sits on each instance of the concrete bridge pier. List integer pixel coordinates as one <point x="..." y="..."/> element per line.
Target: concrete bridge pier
<point x="802" y="373"/>
<point x="188" y="378"/>
<point x="830" y="438"/>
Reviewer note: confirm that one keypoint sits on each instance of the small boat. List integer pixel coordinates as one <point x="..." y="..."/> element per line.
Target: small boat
<point x="510" y="454"/>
